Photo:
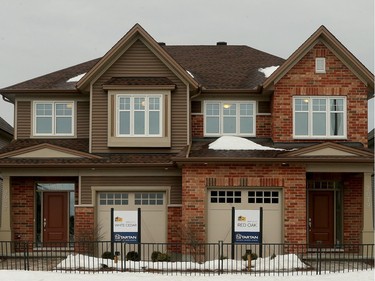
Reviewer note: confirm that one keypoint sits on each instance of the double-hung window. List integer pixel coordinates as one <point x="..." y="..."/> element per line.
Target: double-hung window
<point x="53" y="118"/>
<point x="139" y="115"/>
<point x="229" y="118"/>
<point x="319" y="117"/>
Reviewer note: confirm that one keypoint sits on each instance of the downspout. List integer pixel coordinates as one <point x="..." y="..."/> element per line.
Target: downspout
<point x="199" y="91"/>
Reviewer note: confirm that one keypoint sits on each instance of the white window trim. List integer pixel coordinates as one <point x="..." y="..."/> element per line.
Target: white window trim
<point x="53" y="133"/>
<point x="310" y="119"/>
<point x="319" y="61"/>
<point x="132" y="110"/>
<point x="221" y="103"/>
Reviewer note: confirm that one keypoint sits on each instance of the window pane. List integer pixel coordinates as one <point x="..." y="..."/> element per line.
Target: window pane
<point x="319" y="124"/>
<point x="124" y="124"/>
<point x="64" y="109"/>
<point x="139" y="123"/>
<point x="229" y="110"/>
<point x="63" y="125"/>
<point x="44" y="109"/>
<point x="229" y="124"/>
<point x="246" y="125"/>
<point x="212" y="109"/>
<point x="319" y="105"/>
<point x="212" y="125"/>
<point x="337" y="124"/>
<point x="246" y="109"/>
<point x="139" y="103"/>
<point x="301" y="123"/>
<point x="154" y="103"/>
<point x="154" y="122"/>
<point x="44" y="125"/>
<point x="124" y="103"/>
<point x="301" y="104"/>
<point x="337" y="104"/>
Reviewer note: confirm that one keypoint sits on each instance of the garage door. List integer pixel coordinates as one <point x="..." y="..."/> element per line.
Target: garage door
<point x="153" y="208"/>
<point x="221" y="201"/>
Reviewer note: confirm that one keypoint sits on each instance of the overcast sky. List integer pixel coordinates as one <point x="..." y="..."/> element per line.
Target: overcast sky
<point x="41" y="36"/>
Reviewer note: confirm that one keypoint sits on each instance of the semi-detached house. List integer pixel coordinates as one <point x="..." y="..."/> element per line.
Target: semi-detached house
<point x="186" y="133"/>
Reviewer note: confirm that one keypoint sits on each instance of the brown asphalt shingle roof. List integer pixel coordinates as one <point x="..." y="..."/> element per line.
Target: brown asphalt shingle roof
<point x="224" y="67"/>
<point x="6" y="127"/>
<point x="214" y="67"/>
<point x="80" y="145"/>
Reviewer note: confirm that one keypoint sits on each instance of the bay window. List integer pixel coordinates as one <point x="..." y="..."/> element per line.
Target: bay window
<point x="319" y="117"/>
<point x="53" y="118"/>
<point x="229" y="118"/>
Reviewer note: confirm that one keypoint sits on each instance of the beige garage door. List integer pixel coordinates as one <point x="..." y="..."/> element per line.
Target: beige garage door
<point x="221" y="201"/>
<point x="153" y="208"/>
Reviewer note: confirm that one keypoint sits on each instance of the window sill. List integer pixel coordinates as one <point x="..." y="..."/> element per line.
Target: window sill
<point x="139" y="142"/>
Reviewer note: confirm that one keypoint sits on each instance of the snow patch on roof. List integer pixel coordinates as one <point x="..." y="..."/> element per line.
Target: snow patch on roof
<point x="191" y="74"/>
<point x="267" y="71"/>
<point x="237" y="143"/>
<point x="76" y="78"/>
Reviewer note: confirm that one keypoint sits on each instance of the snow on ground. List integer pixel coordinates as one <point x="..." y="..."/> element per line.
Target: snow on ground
<point x="267" y="71"/>
<point x="76" y="78"/>
<point x="237" y="143"/>
<point x="280" y="262"/>
<point x="10" y="275"/>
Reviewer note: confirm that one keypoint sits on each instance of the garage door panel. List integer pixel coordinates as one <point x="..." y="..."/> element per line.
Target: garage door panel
<point x="219" y="212"/>
<point x="153" y="213"/>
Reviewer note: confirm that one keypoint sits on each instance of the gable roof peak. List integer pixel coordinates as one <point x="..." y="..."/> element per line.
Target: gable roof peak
<point x="340" y="51"/>
<point x="136" y="32"/>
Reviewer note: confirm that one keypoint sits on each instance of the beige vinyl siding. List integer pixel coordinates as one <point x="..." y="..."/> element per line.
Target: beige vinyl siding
<point x="83" y="118"/>
<point x="23" y="125"/>
<point x="101" y="181"/>
<point x="139" y="61"/>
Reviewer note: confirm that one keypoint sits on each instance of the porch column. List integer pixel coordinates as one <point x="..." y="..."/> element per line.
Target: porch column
<point x="368" y="227"/>
<point x="5" y="231"/>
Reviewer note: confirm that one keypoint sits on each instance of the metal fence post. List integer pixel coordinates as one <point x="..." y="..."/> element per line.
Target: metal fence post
<point x="221" y="256"/>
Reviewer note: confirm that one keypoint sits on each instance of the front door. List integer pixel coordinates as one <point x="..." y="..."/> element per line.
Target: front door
<point x="321" y="218"/>
<point x="55" y="217"/>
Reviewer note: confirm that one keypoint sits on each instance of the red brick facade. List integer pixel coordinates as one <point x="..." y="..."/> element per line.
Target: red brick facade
<point x="337" y="81"/>
<point x="84" y="224"/>
<point x="22" y="206"/>
<point x="292" y="179"/>
<point x="353" y="211"/>
<point x="174" y="224"/>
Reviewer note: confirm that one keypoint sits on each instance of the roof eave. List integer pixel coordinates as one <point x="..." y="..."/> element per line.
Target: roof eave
<point x="203" y="160"/>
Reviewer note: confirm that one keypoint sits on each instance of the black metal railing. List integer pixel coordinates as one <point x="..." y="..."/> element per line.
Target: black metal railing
<point x="189" y="259"/>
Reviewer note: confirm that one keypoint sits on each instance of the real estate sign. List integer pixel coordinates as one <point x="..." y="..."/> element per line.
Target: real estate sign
<point x="125" y="226"/>
<point x="247" y="226"/>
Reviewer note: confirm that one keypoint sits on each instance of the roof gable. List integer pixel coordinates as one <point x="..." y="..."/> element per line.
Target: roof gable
<point x="323" y="35"/>
<point x="328" y="149"/>
<point x="134" y="34"/>
<point x="46" y="150"/>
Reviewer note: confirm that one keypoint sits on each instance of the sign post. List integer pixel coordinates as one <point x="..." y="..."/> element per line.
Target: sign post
<point x="247" y="227"/>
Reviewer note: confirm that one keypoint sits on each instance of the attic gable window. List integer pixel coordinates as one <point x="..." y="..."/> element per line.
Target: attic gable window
<point x="53" y="118"/>
<point x="320" y="65"/>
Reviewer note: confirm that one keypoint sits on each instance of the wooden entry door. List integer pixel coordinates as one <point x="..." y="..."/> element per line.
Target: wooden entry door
<point x="55" y="217"/>
<point x="321" y="218"/>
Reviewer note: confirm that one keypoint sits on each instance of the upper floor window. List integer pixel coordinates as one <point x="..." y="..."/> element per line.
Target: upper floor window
<point x="53" y="118"/>
<point x="229" y="118"/>
<point x="319" y="117"/>
<point x="139" y="115"/>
